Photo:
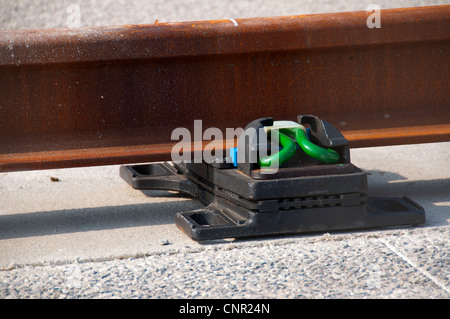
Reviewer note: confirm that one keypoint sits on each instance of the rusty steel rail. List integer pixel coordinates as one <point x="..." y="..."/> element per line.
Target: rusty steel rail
<point x="113" y="95"/>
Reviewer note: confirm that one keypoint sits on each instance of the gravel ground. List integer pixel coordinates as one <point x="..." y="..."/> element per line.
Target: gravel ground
<point x="403" y="264"/>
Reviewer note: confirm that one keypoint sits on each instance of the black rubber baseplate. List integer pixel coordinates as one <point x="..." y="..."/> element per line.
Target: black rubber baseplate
<point x="303" y="196"/>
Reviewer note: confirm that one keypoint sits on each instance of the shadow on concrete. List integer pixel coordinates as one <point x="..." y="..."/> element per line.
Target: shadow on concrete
<point x="91" y="219"/>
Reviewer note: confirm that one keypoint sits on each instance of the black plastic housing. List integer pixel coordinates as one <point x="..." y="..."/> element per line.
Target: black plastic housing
<point x="302" y="196"/>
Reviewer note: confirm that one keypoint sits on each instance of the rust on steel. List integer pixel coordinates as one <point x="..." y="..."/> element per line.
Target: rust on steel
<point x="113" y="95"/>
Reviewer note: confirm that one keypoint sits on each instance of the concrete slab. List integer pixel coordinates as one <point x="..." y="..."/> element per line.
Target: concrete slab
<point x="86" y="211"/>
<point x="92" y="214"/>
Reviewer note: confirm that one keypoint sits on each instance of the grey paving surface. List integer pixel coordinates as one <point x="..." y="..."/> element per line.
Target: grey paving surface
<point x="26" y="14"/>
<point x="406" y="264"/>
<point x="89" y="235"/>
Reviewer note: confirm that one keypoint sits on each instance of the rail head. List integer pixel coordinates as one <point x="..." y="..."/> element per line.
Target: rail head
<point x="222" y="37"/>
<point x="113" y="95"/>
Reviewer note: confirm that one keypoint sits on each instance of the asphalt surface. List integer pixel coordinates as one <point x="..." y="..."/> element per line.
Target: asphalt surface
<point x="87" y="234"/>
